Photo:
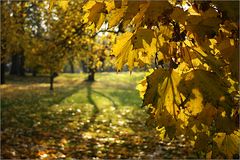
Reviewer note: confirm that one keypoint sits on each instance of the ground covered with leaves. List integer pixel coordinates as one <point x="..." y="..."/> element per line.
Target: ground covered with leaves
<point x="80" y="120"/>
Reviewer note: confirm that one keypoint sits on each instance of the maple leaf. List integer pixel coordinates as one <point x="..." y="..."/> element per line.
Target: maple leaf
<point x="169" y="95"/>
<point x="132" y="10"/>
<point x="149" y="51"/>
<point x="110" y="5"/>
<point x="228" y="143"/>
<point x="229" y="51"/>
<point x="205" y="24"/>
<point x="151" y="95"/>
<point x="96" y="13"/>
<point x="210" y="87"/>
<point x="188" y="56"/>
<point x="179" y="15"/>
<point x="138" y="18"/>
<point x="162" y="91"/>
<point x="155" y="9"/>
<point x="150" y="48"/>
<point x="207" y="111"/>
<point x="141" y="87"/>
<point x="122" y="50"/>
<point x="143" y="35"/>
<point x="115" y="16"/>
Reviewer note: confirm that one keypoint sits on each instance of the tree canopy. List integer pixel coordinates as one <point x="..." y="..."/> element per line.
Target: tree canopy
<point x="191" y="46"/>
<point x="194" y="46"/>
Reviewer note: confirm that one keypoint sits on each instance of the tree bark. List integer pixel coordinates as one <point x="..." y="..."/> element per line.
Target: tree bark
<point x="71" y="66"/>
<point x="14" y="66"/>
<point x="91" y="75"/>
<point x="52" y="76"/>
<point x="3" y="73"/>
<point x="51" y="82"/>
<point x="18" y="65"/>
<point x="21" y="67"/>
<point x="34" y="72"/>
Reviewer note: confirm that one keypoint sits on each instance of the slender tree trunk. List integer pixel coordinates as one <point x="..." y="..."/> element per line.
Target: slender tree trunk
<point x="91" y="75"/>
<point x="34" y="72"/>
<point x="18" y="65"/>
<point x="71" y="66"/>
<point x="14" y="66"/>
<point x="21" y="67"/>
<point x="2" y="73"/>
<point x="52" y="76"/>
<point x="51" y="82"/>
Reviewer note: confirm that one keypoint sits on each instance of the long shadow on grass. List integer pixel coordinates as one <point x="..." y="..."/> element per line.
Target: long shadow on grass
<point x="95" y="108"/>
<point x="46" y="98"/>
<point x="107" y="97"/>
<point x="41" y="105"/>
<point x="51" y="133"/>
<point x="127" y="97"/>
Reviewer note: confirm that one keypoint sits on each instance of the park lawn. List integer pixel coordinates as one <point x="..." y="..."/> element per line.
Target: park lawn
<point x="79" y="119"/>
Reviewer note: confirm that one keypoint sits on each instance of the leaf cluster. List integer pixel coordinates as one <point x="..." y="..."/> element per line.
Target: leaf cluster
<point x="194" y="49"/>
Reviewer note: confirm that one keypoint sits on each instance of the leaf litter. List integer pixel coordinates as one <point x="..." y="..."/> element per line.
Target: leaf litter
<point x="68" y="129"/>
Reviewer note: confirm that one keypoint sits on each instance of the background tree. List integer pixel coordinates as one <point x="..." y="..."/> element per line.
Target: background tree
<point x="55" y="40"/>
<point x="44" y="46"/>
<point x="35" y="28"/>
<point x="18" y="13"/>
<point x="97" y="51"/>
<point x="12" y="37"/>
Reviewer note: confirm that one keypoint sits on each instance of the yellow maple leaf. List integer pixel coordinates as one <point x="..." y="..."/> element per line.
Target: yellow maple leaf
<point x="122" y="49"/>
<point x="110" y="5"/>
<point x="139" y="16"/>
<point x="115" y="16"/>
<point x="149" y="51"/>
<point x="195" y="105"/>
<point x="89" y="5"/>
<point x="96" y="13"/>
<point x="170" y="97"/>
<point x="132" y="56"/>
<point x="228" y="143"/>
<point x="142" y="87"/>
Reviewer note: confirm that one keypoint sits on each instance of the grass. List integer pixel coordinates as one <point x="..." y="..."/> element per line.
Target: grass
<point x="85" y="118"/>
<point x="79" y="119"/>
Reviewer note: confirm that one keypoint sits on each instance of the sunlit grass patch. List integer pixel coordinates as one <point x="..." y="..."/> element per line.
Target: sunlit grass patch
<point x="87" y="117"/>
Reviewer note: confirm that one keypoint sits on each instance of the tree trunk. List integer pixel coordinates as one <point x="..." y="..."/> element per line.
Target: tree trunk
<point x="34" y="72"/>
<point x="52" y="76"/>
<point x="14" y="67"/>
<point x="91" y="75"/>
<point x="71" y="66"/>
<point x="2" y="73"/>
<point x="51" y="82"/>
<point x="18" y="65"/>
<point x="21" y="67"/>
